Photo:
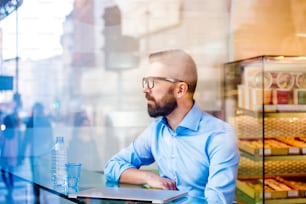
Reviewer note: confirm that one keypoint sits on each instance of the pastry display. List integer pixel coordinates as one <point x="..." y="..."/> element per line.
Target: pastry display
<point x="293" y="141"/>
<point x="265" y="102"/>
<point x="274" y="146"/>
<point x="297" y="185"/>
<point x="277" y="187"/>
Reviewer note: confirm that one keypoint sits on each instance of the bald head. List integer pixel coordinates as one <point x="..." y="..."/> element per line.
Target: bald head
<point x="178" y="64"/>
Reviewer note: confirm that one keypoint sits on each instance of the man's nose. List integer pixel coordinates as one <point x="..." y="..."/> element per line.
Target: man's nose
<point x="146" y="89"/>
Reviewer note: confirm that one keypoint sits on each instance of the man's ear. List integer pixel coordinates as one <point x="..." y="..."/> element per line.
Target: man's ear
<point x="181" y="89"/>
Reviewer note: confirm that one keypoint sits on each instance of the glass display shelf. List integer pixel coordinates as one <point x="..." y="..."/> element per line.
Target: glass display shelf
<point x="265" y="101"/>
<point x="273" y="158"/>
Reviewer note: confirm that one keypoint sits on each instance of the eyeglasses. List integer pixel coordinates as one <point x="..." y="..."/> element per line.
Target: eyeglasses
<point x="148" y="82"/>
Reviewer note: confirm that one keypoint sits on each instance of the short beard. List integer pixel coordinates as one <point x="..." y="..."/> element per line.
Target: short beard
<point x="162" y="110"/>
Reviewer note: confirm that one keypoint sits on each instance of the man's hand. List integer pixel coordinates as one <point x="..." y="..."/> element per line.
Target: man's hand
<point x="155" y="181"/>
<point x="135" y="176"/>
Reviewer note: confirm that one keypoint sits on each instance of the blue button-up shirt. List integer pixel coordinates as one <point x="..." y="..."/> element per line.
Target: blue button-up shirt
<point x="201" y="155"/>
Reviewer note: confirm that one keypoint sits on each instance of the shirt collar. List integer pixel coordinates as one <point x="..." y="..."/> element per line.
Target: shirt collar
<point x="191" y="120"/>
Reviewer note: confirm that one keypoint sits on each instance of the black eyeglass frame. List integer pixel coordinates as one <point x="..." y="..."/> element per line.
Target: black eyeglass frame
<point x="145" y="83"/>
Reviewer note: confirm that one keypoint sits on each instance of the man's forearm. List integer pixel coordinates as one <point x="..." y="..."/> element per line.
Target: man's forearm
<point x="136" y="176"/>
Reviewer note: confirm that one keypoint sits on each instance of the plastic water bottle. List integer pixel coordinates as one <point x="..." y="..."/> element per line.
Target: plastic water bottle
<point x="58" y="168"/>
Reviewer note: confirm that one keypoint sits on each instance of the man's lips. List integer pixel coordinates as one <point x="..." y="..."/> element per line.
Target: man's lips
<point x="150" y="101"/>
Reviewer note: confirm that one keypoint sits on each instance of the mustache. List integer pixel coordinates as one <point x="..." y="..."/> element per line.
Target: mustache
<point x="149" y="98"/>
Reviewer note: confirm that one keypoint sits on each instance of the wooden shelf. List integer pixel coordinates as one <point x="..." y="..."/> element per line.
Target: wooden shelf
<point x="275" y="111"/>
<point x="272" y="158"/>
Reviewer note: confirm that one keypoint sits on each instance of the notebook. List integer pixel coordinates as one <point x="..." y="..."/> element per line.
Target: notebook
<point x="131" y="194"/>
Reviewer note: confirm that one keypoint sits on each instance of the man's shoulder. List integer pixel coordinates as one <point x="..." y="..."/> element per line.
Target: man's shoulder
<point x="209" y="120"/>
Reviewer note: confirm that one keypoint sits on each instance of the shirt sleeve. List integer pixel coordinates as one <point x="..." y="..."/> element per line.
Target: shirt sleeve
<point x="224" y="159"/>
<point x="138" y="153"/>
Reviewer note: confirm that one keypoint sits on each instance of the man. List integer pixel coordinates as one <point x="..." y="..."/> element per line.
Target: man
<point x="194" y="151"/>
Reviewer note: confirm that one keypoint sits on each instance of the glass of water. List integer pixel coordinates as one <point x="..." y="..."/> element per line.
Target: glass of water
<point x="73" y="177"/>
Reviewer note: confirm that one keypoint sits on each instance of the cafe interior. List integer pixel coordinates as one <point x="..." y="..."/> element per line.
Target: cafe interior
<point x="84" y="65"/>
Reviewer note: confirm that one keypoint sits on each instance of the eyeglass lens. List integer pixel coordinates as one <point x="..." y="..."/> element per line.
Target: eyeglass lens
<point x="148" y="83"/>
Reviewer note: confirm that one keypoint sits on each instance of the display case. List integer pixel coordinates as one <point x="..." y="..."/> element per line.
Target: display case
<point x="265" y="101"/>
